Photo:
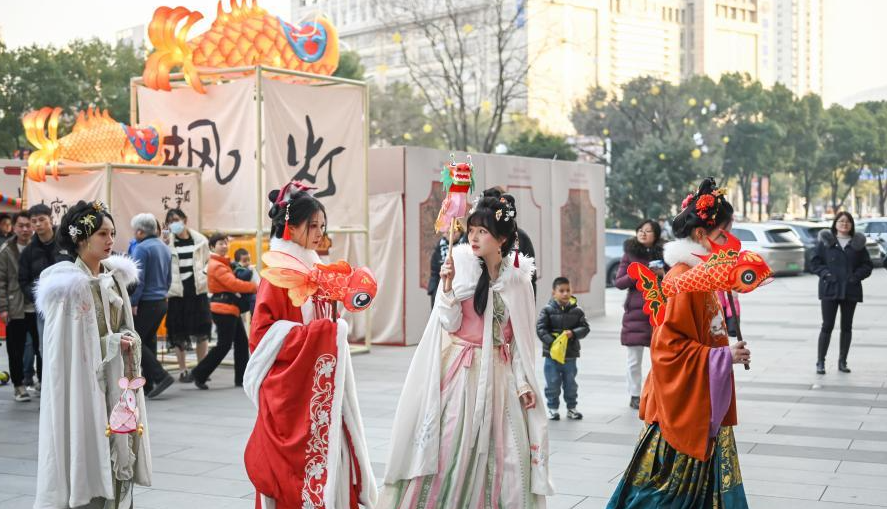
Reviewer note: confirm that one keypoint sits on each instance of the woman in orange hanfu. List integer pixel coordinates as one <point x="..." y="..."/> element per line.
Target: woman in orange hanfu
<point x="686" y="456"/>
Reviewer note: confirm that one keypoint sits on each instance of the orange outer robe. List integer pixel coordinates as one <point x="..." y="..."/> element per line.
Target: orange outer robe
<point x="676" y="394"/>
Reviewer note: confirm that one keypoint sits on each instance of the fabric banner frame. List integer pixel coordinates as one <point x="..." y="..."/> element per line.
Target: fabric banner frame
<point x="258" y="73"/>
<point x="104" y="175"/>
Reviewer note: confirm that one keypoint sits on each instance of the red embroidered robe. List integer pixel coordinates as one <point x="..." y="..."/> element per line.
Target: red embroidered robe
<point x="286" y="454"/>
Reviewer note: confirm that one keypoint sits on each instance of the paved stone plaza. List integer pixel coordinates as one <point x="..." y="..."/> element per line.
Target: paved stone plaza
<point x="806" y="441"/>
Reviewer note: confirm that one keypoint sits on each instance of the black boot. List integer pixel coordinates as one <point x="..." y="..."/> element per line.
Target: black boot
<point x="824" y="340"/>
<point x="846" y="337"/>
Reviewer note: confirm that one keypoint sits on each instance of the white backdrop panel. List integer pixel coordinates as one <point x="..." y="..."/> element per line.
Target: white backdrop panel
<point x="66" y="191"/>
<point x="317" y="134"/>
<point x="134" y="193"/>
<point x="215" y="132"/>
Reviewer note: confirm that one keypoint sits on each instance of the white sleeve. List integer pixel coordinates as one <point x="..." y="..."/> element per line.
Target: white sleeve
<point x="522" y="385"/>
<point x="449" y="310"/>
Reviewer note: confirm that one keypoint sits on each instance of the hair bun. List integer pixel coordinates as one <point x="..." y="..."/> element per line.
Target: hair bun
<point x="707" y="186"/>
<point x="272" y="196"/>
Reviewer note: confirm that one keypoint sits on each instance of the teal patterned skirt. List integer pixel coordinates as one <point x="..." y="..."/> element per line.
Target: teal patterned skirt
<point x="659" y="476"/>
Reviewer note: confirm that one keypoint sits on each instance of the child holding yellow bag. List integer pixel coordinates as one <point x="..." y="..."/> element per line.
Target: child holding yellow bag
<point x="560" y="326"/>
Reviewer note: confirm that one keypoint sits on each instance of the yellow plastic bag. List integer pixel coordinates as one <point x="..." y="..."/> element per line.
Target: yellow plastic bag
<point x="558" y="350"/>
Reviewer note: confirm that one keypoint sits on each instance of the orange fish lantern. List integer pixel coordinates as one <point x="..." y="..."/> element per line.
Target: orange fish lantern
<point x="95" y="138"/>
<point x="458" y="181"/>
<point x="726" y="268"/>
<point x="337" y="282"/>
<point x="246" y="36"/>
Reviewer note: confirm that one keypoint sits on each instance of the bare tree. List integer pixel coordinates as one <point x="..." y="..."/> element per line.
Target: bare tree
<point x="468" y="60"/>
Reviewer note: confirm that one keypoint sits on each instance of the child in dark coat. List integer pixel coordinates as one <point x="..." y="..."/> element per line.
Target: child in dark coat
<point x="562" y="314"/>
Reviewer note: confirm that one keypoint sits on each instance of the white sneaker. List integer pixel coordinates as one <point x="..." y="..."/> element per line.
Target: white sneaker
<point x="21" y="395"/>
<point x="573" y="414"/>
<point x="35" y="389"/>
<point x="553" y="415"/>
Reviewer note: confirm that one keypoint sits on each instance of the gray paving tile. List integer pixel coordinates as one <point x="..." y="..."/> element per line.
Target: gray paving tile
<point x="757" y="501"/>
<point x="864" y="496"/>
<point x="829" y="432"/>
<point x="783" y="489"/>
<point x="610" y="438"/>
<point x="19" y="502"/>
<point x="819" y="453"/>
<point x="17" y="466"/>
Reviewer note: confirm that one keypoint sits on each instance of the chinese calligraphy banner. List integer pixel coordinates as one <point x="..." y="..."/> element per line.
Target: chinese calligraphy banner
<point x="66" y="191"/>
<point x="215" y="132"/>
<point x="317" y="135"/>
<point x="135" y="193"/>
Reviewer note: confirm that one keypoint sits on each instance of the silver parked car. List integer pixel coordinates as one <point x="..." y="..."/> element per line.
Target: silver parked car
<point x="778" y="244"/>
<point x="613" y="251"/>
<point x="876" y="230"/>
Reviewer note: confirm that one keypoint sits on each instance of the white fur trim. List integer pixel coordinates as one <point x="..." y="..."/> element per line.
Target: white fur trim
<point x="468" y="269"/>
<point x="59" y="282"/>
<point x="683" y="251"/>
<point x="263" y="358"/>
<point x="127" y="269"/>
<point x="64" y="280"/>
<point x="334" y="440"/>
<point x="307" y="256"/>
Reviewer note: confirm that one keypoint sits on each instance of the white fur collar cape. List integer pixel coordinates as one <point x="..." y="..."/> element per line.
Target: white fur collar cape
<point x="683" y="251"/>
<point x="79" y="383"/>
<point x="65" y="280"/>
<point x="468" y="270"/>
<point x="415" y="437"/>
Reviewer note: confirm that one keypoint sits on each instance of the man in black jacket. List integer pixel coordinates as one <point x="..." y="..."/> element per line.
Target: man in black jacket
<point x="42" y="252"/>
<point x="438" y="255"/>
<point x="561" y="315"/>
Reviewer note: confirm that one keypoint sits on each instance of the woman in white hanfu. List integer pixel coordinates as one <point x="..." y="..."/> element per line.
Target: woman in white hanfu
<point x="468" y="432"/>
<point x="90" y="345"/>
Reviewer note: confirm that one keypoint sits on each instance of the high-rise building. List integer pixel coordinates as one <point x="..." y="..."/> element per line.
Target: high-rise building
<point x="797" y="34"/>
<point x="572" y="45"/>
<point x="134" y="36"/>
<point x="724" y="36"/>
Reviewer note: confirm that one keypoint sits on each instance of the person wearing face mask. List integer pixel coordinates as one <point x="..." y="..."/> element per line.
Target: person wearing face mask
<point x="188" y="315"/>
<point x="470" y="428"/>
<point x="686" y="455"/>
<point x="92" y="363"/>
<point x="841" y="261"/>
<point x="307" y="448"/>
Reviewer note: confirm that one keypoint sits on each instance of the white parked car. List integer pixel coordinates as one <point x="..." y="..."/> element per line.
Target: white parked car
<point x="876" y="230"/>
<point x="778" y="244"/>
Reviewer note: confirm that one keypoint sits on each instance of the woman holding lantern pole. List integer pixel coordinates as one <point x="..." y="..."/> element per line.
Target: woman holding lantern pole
<point x="468" y="431"/>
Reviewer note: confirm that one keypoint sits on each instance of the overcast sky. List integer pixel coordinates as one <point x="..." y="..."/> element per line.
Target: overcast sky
<point x="855" y="38"/>
<point x="59" y="21"/>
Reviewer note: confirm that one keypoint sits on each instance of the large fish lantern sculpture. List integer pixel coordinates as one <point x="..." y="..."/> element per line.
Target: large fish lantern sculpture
<point x="726" y="268"/>
<point x="337" y="282"/>
<point x="95" y="138"/>
<point x="246" y="36"/>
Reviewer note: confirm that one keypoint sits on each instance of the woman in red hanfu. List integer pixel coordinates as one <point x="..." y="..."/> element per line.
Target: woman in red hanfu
<point x="307" y="449"/>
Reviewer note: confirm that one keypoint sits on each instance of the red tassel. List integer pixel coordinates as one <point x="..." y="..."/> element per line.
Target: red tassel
<point x="516" y="259"/>
<point x="286" y="224"/>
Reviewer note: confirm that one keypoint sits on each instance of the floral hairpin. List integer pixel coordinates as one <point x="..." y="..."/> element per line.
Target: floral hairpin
<point x="508" y="211"/>
<point x="73" y="232"/>
<point x="99" y="206"/>
<point x="88" y="221"/>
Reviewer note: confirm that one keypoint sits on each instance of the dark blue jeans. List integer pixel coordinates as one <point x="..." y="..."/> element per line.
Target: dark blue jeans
<point x="559" y="375"/>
